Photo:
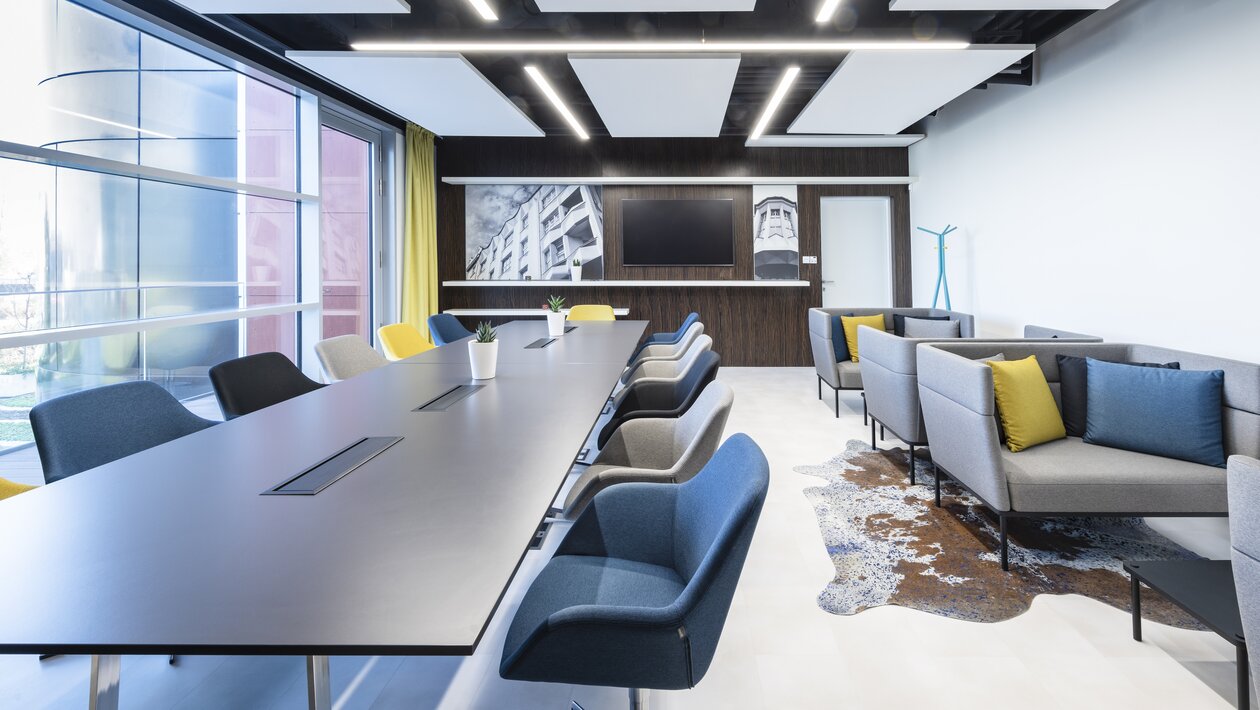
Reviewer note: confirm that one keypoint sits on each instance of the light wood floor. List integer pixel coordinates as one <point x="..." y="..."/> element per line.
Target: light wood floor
<point x="779" y="650"/>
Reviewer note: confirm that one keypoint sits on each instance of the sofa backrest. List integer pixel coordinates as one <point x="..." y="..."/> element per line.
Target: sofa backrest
<point x="820" y="333"/>
<point x="1041" y="332"/>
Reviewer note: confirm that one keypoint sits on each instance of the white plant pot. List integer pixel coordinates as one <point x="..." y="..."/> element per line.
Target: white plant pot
<point x="484" y="358"/>
<point x="555" y="324"/>
<point x="575" y="272"/>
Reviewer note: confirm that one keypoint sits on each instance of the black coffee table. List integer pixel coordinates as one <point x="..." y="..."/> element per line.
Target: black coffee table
<point x="1205" y="589"/>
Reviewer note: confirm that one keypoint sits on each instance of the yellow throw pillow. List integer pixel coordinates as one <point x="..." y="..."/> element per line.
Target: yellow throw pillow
<point x="8" y="488"/>
<point x="1025" y="404"/>
<point x="851" y="324"/>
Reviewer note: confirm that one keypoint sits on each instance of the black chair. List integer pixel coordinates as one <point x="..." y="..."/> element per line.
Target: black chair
<point x="663" y="400"/>
<point x="80" y="431"/>
<point x="248" y="384"/>
<point x="76" y="432"/>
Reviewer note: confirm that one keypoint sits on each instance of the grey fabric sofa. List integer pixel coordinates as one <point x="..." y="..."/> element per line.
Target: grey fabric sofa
<point x="1244" y="538"/>
<point x="1069" y="477"/>
<point x="846" y="375"/>
<point x="890" y="377"/>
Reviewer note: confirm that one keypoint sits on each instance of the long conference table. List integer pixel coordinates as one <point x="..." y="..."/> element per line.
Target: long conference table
<point x="191" y="547"/>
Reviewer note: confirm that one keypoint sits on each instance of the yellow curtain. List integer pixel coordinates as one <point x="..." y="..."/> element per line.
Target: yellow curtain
<point x="420" y="272"/>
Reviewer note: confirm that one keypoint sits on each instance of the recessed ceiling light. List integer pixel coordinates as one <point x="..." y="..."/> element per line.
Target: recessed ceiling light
<point x="556" y="101"/>
<point x="827" y="11"/>
<point x="750" y="46"/>
<point x="776" y="98"/>
<point x="483" y="8"/>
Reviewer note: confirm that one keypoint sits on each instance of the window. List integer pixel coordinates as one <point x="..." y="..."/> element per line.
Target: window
<point x="524" y="246"/>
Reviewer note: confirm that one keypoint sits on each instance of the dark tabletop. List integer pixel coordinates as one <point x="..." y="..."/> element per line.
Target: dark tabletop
<point x="175" y="550"/>
<point x="1204" y="588"/>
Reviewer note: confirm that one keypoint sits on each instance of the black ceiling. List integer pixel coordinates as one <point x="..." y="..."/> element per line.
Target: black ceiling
<point x="450" y="20"/>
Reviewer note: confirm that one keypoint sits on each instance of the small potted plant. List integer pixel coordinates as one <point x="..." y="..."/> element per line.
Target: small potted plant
<point x="575" y="269"/>
<point x="555" y="316"/>
<point x="483" y="352"/>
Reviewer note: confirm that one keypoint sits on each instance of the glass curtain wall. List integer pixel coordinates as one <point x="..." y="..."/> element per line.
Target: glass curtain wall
<point x="81" y="247"/>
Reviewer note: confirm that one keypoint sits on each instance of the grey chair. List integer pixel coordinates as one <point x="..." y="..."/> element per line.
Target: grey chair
<point x="831" y="359"/>
<point x="656" y="450"/>
<point x="1244" y="539"/>
<point x="666" y="371"/>
<point x="660" y="352"/>
<point x="345" y="356"/>
<point x="890" y="378"/>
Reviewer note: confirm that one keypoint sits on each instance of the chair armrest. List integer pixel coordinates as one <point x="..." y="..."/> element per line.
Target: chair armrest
<point x="630" y="521"/>
<point x="1244" y="497"/>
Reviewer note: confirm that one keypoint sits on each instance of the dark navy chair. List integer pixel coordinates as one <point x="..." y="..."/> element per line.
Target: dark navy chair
<point x="667" y="338"/>
<point x="79" y="431"/>
<point x="446" y="328"/>
<point x="662" y="400"/>
<point x="248" y="384"/>
<point x="637" y="593"/>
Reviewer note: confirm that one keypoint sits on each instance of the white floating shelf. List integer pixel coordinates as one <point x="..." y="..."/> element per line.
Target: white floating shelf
<point x="514" y="312"/>
<point x="761" y="180"/>
<point x="542" y="283"/>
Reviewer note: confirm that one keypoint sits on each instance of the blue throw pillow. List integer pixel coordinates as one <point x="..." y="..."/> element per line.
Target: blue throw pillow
<point x="1171" y="413"/>
<point x="838" y="343"/>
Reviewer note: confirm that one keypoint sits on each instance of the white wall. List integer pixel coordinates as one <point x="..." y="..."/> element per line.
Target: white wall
<point x="1120" y="194"/>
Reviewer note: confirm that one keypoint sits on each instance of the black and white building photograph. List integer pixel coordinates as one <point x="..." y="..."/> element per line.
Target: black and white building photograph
<point x="533" y="232"/>
<point x="776" y="253"/>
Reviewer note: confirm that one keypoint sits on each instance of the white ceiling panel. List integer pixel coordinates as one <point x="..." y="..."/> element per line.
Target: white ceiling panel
<point x="658" y="95"/>
<point x="442" y="92"/>
<point x="1000" y="4"/>
<point x="646" y="5"/>
<point x="886" y="92"/>
<point x="295" y="7"/>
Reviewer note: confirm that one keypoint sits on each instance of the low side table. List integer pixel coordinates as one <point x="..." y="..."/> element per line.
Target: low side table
<point x="1205" y="590"/>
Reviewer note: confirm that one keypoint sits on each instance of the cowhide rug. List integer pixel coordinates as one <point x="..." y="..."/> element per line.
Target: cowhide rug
<point x="891" y="545"/>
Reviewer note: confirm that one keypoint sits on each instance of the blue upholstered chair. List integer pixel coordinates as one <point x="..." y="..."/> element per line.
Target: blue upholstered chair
<point x="446" y="328"/>
<point x="667" y="338"/>
<point x="79" y="431"/>
<point x="637" y="593"/>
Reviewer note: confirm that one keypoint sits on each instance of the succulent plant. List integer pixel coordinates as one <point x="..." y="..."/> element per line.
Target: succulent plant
<point x="486" y="334"/>
<point x="577" y="261"/>
<point x="555" y="303"/>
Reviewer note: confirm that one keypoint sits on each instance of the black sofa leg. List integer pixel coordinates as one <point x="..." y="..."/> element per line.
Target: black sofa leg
<point x="864" y="414"/>
<point x="837" y="391"/>
<point x="936" y="473"/>
<point x="873" y="446"/>
<point x="911" y="461"/>
<point x="1002" y="528"/>
<point x="820" y="388"/>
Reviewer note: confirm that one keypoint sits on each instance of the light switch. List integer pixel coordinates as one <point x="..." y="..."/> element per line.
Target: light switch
<point x="809" y="260"/>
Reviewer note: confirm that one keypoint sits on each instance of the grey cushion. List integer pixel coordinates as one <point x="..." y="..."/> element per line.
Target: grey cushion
<point x="850" y="375"/>
<point x="1070" y="476"/>
<point x="922" y="328"/>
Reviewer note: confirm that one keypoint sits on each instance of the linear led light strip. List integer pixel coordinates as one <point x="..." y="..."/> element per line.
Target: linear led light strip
<point x="552" y="96"/>
<point x="115" y="124"/>
<point x="827" y="11"/>
<point x="483" y="9"/>
<point x="822" y="47"/>
<point x="776" y="98"/>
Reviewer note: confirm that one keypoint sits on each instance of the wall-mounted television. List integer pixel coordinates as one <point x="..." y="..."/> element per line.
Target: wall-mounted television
<point x="678" y="232"/>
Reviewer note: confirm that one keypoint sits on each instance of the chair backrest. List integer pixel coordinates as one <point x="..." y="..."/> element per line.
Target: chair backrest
<point x="248" y="384"/>
<point x="345" y="356"/>
<point x="703" y="370"/>
<point x="446" y="328"/>
<point x="1243" y="487"/>
<point x="698" y="431"/>
<point x="715" y="516"/>
<point x="76" y="432"/>
<point x="590" y="312"/>
<point x="691" y="319"/>
<point x="699" y="346"/>
<point x="402" y="340"/>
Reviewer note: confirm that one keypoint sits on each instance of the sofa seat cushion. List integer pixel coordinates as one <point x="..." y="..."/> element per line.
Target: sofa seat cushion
<point x="850" y="375"/>
<point x="1070" y="476"/>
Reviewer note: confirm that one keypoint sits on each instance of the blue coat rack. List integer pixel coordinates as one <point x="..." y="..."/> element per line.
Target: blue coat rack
<point x="941" y="279"/>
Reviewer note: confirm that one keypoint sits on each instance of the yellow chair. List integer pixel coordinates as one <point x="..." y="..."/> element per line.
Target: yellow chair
<point x="8" y="488"/>
<point x="592" y="313"/>
<point x="402" y="340"/>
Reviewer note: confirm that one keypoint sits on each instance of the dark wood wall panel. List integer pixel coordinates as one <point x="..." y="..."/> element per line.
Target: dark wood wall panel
<point x="750" y="326"/>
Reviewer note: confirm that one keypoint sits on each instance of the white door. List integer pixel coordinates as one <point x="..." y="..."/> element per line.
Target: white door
<point x="857" y="252"/>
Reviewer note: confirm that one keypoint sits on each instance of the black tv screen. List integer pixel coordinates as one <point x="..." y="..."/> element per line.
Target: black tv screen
<point x="678" y="232"/>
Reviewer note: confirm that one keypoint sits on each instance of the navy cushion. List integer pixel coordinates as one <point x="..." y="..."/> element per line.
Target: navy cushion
<point x="899" y="323"/>
<point x="838" y="342"/>
<point x="1171" y="413"/>
<point x="1072" y="391"/>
